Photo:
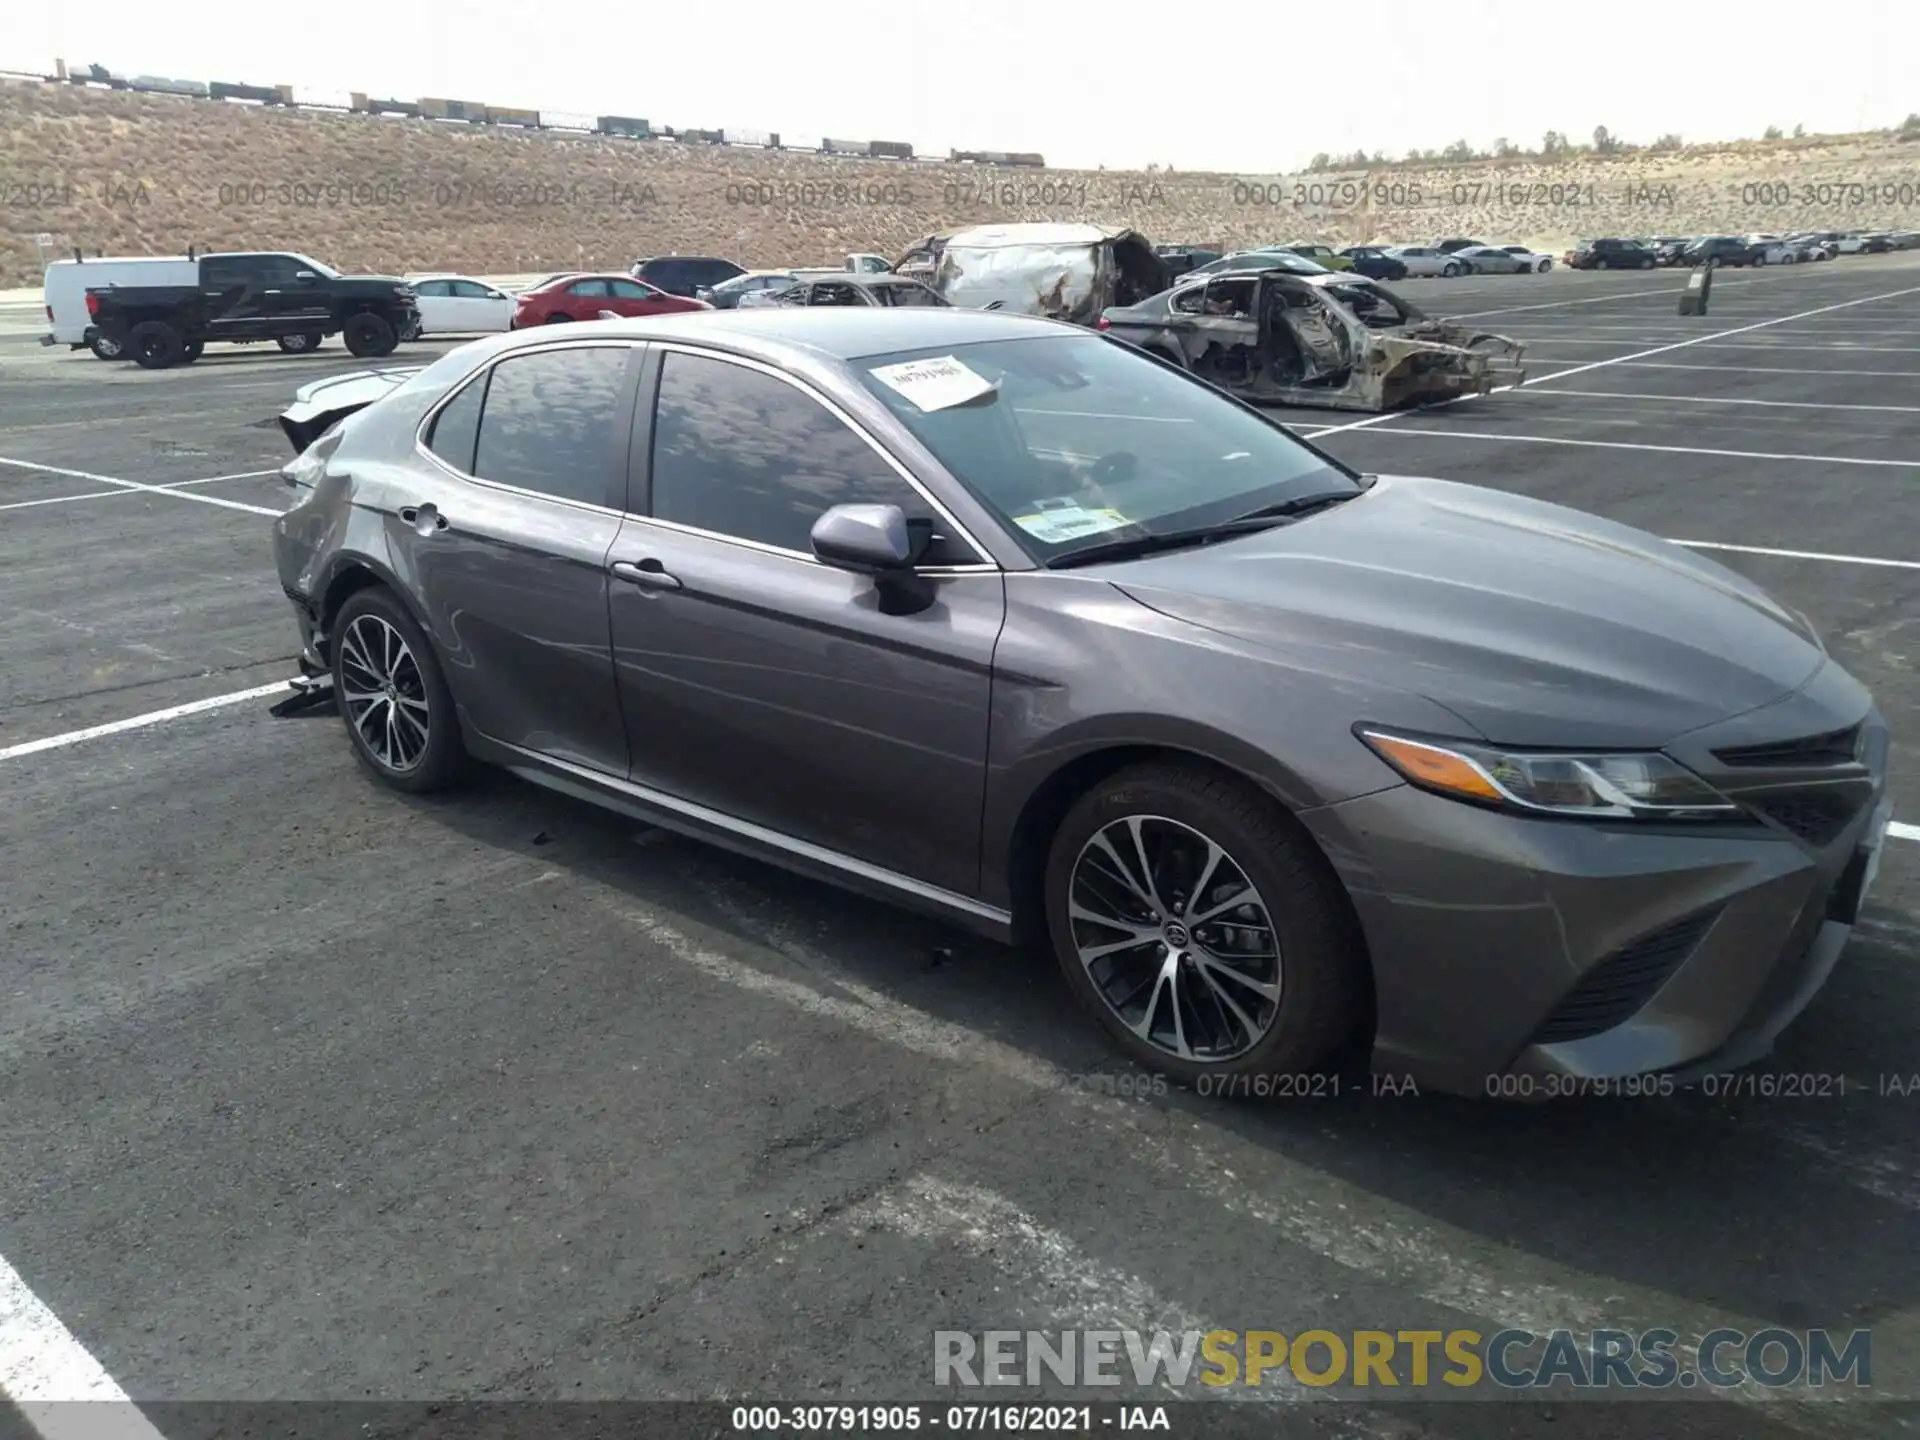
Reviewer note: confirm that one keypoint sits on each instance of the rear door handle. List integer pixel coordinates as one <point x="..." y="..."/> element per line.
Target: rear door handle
<point x="649" y="573"/>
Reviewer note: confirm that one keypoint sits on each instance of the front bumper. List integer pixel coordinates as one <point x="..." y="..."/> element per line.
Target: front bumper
<point x="1504" y="945"/>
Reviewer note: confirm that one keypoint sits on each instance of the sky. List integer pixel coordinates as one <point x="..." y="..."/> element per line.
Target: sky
<point x="1084" y="85"/>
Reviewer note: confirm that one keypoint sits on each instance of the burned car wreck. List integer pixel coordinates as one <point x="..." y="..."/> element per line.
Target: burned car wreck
<point x="1059" y="271"/>
<point x="1335" y="340"/>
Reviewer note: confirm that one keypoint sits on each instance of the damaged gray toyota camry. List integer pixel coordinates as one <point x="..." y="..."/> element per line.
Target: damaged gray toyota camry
<point x="1010" y="622"/>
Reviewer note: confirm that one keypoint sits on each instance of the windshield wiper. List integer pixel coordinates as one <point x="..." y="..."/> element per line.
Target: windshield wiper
<point x="1300" y="505"/>
<point x="1284" y="512"/>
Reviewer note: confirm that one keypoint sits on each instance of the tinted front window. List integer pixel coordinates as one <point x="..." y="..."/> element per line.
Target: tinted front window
<point x="631" y="290"/>
<point x="588" y="287"/>
<point x="1085" y="440"/>
<point x="912" y="295"/>
<point x="553" y="422"/>
<point x="738" y="452"/>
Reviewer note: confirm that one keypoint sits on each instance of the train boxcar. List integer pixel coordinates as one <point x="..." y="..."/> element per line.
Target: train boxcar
<point x="846" y="147"/>
<point x="161" y="85"/>
<point x="308" y="98"/>
<point x="365" y="106"/>
<point x="505" y="115"/>
<point x="759" y="139"/>
<point x="265" y="94"/>
<point x="700" y="137"/>
<point x="891" y="150"/>
<point x="624" y="125"/>
<point x="567" y="120"/>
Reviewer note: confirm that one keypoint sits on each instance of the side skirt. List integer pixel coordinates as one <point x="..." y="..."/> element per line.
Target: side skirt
<point x="742" y="837"/>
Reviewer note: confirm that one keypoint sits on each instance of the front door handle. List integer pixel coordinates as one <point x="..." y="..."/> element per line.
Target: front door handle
<point x="649" y="573"/>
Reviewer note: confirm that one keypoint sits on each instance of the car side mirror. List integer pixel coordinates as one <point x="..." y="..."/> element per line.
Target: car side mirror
<point x="305" y="277"/>
<point x="866" y="539"/>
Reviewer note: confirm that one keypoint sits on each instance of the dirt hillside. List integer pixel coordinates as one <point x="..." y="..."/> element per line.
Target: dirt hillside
<point x="120" y="173"/>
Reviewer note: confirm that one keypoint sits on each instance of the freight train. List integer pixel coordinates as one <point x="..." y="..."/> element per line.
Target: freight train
<point x="473" y="112"/>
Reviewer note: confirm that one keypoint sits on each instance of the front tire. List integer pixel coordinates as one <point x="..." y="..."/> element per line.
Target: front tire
<point x="302" y="344"/>
<point x="154" y="345"/>
<point x="393" y="696"/>
<point x="1545" y="266"/>
<point x="192" y="351"/>
<point x="369" y="336"/>
<point x="105" y="349"/>
<point x="1647" y="263"/>
<point x="1200" y="927"/>
<point x="558" y="320"/>
<point x="1450" y="269"/>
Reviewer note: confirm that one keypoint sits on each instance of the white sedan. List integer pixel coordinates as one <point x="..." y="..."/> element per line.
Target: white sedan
<point x="1425" y="260"/>
<point x="461" y="305"/>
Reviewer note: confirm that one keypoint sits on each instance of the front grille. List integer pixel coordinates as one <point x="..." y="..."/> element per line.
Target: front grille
<point x="1836" y="747"/>
<point x="1620" y="984"/>
<point x="1815" y="818"/>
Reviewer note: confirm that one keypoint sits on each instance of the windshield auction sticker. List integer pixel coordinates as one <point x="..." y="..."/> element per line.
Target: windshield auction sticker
<point x="1059" y="521"/>
<point x="936" y="384"/>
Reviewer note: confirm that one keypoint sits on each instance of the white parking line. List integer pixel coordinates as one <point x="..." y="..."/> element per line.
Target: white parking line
<point x="105" y="494"/>
<point x="1670" y="288"/>
<point x="141" y="722"/>
<point x="1641" y="355"/>
<point x="1728" y="400"/>
<point x="1633" y="364"/>
<point x="216" y="479"/>
<point x="44" y="1370"/>
<point x="1791" y="346"/>
<point x="1900" y="830"/>
<point x="1662" y="449"/>
<point x="136" y="485"/>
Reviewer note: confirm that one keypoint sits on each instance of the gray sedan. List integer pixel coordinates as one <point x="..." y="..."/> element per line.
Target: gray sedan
<point x="1007" y="621"/>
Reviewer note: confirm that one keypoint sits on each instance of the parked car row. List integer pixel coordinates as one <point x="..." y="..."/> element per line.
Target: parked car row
<point x="1754" y="248"/>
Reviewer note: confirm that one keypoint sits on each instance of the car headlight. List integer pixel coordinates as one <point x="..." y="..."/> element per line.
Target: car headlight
<point x="1622" y="785"/>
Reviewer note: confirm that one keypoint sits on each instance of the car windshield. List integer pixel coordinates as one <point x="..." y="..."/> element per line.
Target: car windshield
<point x="1076" y="441"/>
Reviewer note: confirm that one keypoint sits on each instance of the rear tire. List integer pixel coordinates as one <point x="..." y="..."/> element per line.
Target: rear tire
<point x="1282" y="1004"/>
<point x="303" y="343"/>
<point x="154" y="345"/>
<point x="404" y="730"/>
<point x="369" y="336"/>
<point x="1599" y="264"/>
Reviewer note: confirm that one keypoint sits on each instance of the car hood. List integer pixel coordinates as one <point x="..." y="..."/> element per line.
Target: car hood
<point x="1536" y="624"/>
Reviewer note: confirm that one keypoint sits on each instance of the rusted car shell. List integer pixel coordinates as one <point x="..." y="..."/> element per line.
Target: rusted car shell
<point x="1305" y="344"/>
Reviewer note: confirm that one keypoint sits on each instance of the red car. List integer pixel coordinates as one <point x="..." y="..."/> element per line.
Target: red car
<point x="583" y="297"/>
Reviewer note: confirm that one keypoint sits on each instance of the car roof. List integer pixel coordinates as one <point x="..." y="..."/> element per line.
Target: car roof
<point x="782" y="335"/>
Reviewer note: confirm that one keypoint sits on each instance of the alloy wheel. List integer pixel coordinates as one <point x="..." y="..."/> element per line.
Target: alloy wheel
<point x="384" y="694"/>
<point x="1175" y="939"/>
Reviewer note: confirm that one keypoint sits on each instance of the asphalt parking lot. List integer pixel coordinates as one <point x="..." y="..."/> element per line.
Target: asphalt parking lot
<point x="312" y="1092"/>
